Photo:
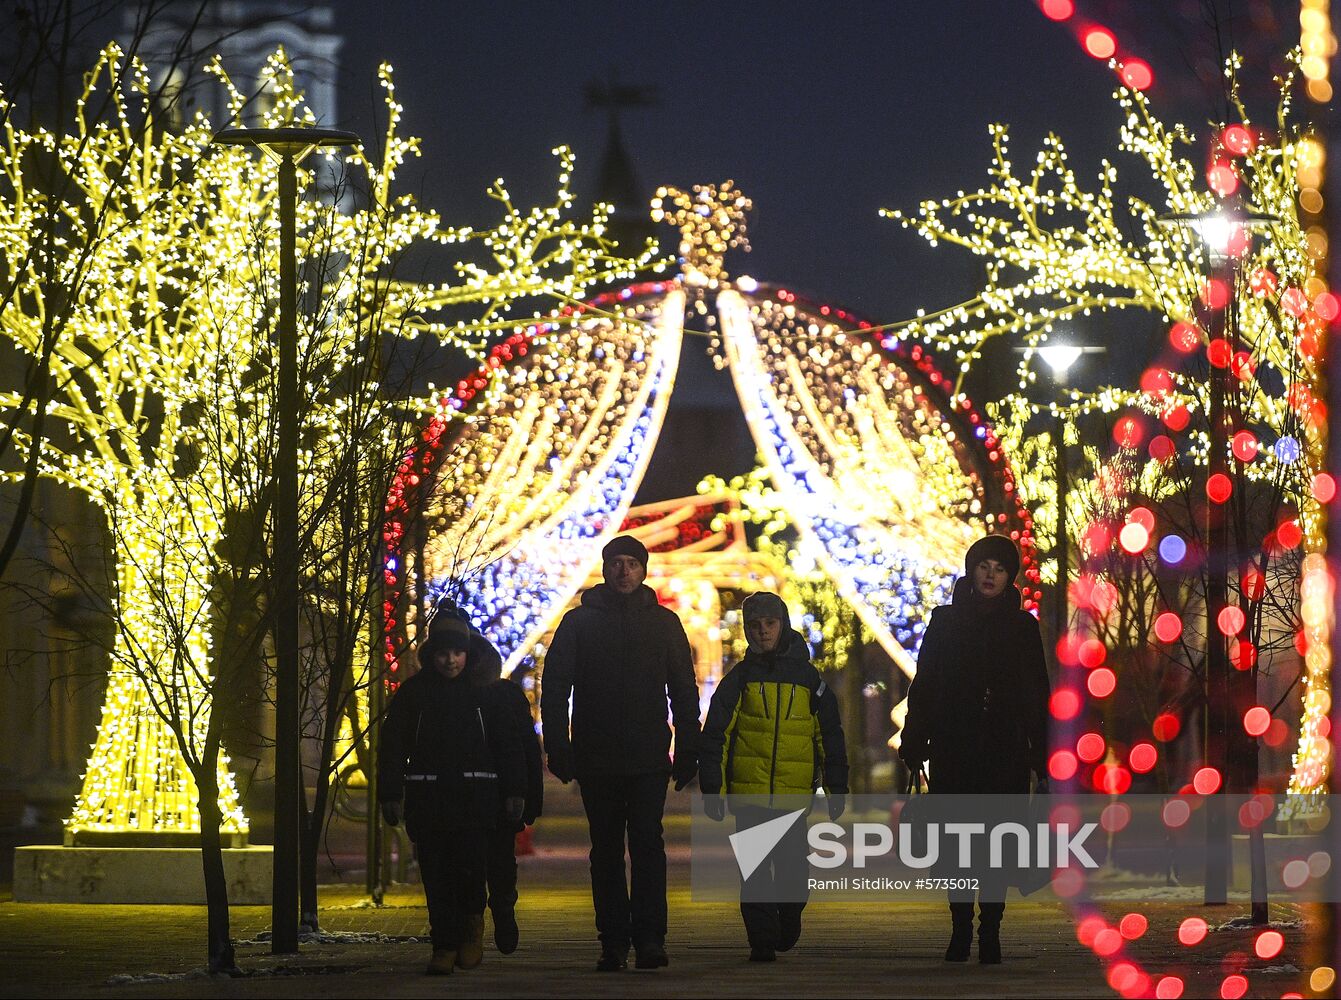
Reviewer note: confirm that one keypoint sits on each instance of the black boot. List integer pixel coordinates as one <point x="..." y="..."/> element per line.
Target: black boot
<point x="989" y="933"/>
<point x="506" y="932"/>
<point x="651" y="955"/>
<point x="961" y="933"/>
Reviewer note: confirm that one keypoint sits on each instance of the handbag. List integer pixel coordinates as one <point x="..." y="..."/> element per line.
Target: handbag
<point x="914" y="815"/>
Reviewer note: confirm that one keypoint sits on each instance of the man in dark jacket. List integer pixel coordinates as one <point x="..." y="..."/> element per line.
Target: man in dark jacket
<point x="486" y="671"/>
<point x="448" y="747"/>
<point x="618" y="656"/>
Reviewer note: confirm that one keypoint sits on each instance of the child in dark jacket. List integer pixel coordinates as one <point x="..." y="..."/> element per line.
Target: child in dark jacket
<point x="449" y="748"/>
<point x="485" y="670"/>
<point x="773" y="734"/>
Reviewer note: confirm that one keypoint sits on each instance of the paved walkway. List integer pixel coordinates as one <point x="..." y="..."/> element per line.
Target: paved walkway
<point x="852" y="949"/>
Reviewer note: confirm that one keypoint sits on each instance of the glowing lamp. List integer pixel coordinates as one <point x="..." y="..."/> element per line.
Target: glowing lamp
<point x="1237" y="140"/>
<point x="1230" y="620"/>
<point x="1192" y="931"/>
<point x="1168" y="627"/>
<point x="1166" y="727"/>
<point x="1169" y="988"/>
<point x="1172" y="549"/>
<point x="1206" y="781"/>
<point x="1137" y="75"/>
<point x="1184" y="338"/>
<point x="1090" y="747"/>
<point x="1133" y="925"/>
<point x="1134" y="538"/>
<point x="1101" y="682"/>
<point x="1099" y="42"/>
<point x="1256" y="721"/>
<point x="1324" y="487"/>
<point x="1142" y="758"/>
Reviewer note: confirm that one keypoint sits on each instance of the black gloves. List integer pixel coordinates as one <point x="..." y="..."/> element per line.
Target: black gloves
<point x="684" y="770"/>
<point x="837" y="804"/>
<point x="714" y="806"/>
<point x="560" y="764"/>
<point x="513" y="807"/>
<point x="391" y="812"/>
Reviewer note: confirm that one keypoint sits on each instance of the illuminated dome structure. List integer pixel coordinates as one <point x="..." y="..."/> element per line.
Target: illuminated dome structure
<point x="533" y="463"/>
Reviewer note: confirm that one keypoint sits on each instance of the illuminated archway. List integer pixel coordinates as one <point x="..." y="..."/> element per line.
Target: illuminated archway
<point x="885" y="474"/>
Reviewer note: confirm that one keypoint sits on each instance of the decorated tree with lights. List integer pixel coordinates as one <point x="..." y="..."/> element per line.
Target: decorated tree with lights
<point x="46" y="59"/>
<point x="162" y="370"/>
<point x="1246" y="306"/>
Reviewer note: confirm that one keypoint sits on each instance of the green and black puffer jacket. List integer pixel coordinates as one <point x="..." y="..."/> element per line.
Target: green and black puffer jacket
<point x="773" y="728"/>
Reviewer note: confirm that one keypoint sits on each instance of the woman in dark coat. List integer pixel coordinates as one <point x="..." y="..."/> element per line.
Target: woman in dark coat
<point x="978" y="710"/>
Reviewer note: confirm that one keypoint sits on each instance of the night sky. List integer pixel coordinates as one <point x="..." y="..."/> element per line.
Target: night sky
<point x="822" y="114"/>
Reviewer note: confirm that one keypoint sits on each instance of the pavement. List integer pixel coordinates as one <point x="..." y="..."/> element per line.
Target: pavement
<point x="847" y="949"/>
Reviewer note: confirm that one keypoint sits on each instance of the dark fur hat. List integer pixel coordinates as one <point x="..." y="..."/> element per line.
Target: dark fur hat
<point x="998" y="547"/>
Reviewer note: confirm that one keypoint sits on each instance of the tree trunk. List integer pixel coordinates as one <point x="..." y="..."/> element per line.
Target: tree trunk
<point x="220" y="943"/>
<point x="308" y="846"/>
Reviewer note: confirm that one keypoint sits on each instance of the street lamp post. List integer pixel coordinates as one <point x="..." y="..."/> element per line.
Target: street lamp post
<point x="1218" y="231"/>
<point x="1059" y="358"/>
<point x="288" y="146"/>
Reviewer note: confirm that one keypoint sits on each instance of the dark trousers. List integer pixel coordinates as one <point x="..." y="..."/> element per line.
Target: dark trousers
<point x="772" y="898"/>
<point x="452" y="865"/>
<point x="991" y="897"/>
<point x="619" y="806"/>
<point x="502" y="868"/>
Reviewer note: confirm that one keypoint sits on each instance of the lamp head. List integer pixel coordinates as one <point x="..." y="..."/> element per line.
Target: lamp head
<point x="1060" y="358"/>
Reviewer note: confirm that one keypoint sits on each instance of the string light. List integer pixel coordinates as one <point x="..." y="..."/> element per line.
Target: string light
<point x="157" y="363"/>
<point x="1056" y="252"/>
<point x="881" y="484"/>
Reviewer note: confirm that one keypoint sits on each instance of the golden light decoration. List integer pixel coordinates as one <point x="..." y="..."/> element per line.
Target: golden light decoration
<point x="1057" y="253"/>
<point x="543" y="471"/>
<point x="1318" y="45"/>
<point x="170" y="319"/>
<point x="711" y="221"/>
<point x="887" y="480"/>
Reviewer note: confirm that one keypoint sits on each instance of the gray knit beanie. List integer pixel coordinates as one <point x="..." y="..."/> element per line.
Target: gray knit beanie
<point x="765" y="605"/>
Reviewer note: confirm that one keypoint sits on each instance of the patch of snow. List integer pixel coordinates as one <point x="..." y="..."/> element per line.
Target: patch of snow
<point x="126" y="979"/>
<point x="1245" y="922"/>
<point x="341" y="937"/>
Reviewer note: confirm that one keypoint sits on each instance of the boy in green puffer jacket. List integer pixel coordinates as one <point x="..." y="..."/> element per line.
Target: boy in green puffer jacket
<point x="773" y="733"/>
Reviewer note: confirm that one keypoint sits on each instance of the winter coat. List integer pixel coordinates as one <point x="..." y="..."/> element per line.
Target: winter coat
<point x="978" y="707"/>
<point x="518" y="708"/>
<point x="483" y="669"/>
<point x="453" y="750"/>
<point x="773" y="728"/>
<point x="618" y="657"/>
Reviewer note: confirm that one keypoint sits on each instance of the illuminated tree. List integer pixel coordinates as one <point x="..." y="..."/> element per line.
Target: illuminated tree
<point x="161" y="373"/>
<point x="46" y="52"/>
<point x="1055" y="252"/>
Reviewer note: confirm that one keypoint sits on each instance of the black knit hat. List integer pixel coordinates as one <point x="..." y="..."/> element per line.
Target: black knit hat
<point x="998" y="547"/>
<point x="764" y="605"/>
<point x="625" y="545"/>
<point x="449" y="632"/>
